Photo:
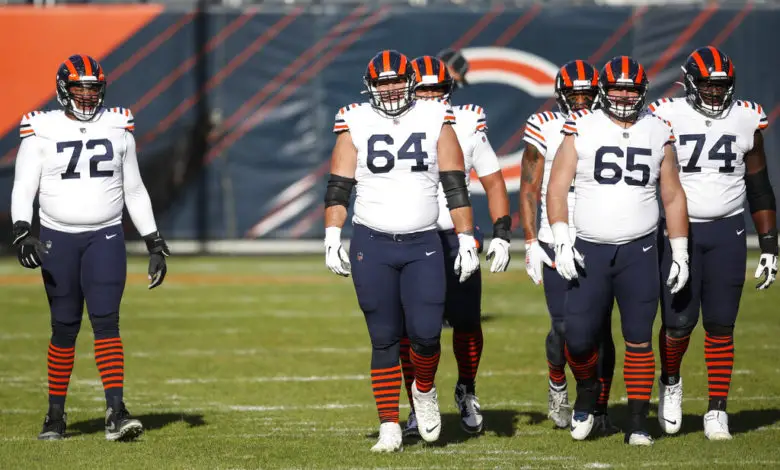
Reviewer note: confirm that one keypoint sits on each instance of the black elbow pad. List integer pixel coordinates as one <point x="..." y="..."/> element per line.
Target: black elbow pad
<point x="339" y="191"/>
<point x="759" y="192"/>
<point x="455" y="190"/>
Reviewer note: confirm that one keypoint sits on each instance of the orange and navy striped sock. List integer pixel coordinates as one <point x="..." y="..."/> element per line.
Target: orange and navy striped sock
<point x="408" y="368"/>
<point x="672" y="352"/>
<point x="60" y="366"/>
<point x="557" y="374"/>
<point x="639" y="372"/>
<point x="719" y="355"/>
<point x="584" y="368"/>
<point x="110" y="360"/>
<point x="467" y="347"/>
<point x="424" y="370"/>
<point x="386" y="384"/>
<point x="603" y="400"/>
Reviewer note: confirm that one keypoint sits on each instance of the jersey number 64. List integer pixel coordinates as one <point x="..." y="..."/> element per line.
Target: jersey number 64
<point x="410" y="150"/>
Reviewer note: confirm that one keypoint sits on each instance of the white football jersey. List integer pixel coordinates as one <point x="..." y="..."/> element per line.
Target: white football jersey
<point x="478" y="154"/>
<point x="397" y="166"/>
<point x="617" y="175"/>
<point x="711" y="152"/>
<point x="83" y="172"/>
<point x="543" y="131"/>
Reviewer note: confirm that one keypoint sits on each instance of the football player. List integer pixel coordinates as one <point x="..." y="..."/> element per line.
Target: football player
<point x="618" y="154"/>
<point x="81" y="163"/>
<point x="394" y="151"/>
<point x="463" y="304"/>
<point x="576" y="88"/>
<point x="721" y="152"/>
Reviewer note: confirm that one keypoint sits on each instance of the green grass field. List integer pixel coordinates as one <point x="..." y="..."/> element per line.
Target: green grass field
<point x="245" y="363"/>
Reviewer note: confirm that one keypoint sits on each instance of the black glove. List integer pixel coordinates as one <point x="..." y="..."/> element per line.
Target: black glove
<point x="158" y="250"/>
<point x="29" y="249"/>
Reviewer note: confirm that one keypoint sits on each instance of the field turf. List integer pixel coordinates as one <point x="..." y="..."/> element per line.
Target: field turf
<point x="244" y="363"/>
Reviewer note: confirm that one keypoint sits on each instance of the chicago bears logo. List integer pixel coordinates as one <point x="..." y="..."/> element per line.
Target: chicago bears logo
<point x="528" y="73"/>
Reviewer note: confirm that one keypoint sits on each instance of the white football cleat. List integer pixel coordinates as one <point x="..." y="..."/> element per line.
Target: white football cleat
<point x="581" y="425"/>
<point x="559" y="410"/>
<point x="390" y="438"/>
<point x="639" y="438"/>
<point x="470" y="413"/>
<point x="411" y="426"/>
<point x="716" y="426"/>
<point x="426" y="409"/>
<point x="670" y="406"/>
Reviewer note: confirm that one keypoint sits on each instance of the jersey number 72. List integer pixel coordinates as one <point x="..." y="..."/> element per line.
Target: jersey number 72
<point x="410" y="150"/>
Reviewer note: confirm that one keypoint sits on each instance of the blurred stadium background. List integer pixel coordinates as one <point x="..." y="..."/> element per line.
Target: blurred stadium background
<point x="234" y="100"/>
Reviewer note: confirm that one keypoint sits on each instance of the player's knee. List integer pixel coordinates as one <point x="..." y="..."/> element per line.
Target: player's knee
<point x="385" y="356"/>
<point x="426" y="348"/>
<point x="681" y="332"/>
<point x="64" y="335"/>
<point x="106" y="326"/>
<point x="715" y="329"/>
<point x="555" y="338"/>
<point x="559" y="328"/>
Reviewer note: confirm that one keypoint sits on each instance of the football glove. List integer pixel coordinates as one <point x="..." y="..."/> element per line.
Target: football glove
<point x="679" y="272"/>
<point x="766" y="271"/>
<point x="566" y="256"/>
<point x="29" y="249"/>
<point x="336" y="258"/>
<point x="158" y="251"/>
<point x="498" y="251"/>
<point x="534" y="257"/>
<point x="467" y="262"/>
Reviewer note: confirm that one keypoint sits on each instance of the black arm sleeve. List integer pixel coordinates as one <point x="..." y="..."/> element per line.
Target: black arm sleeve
<point x="759" y="192"/>
<point x="454" y="184"/>
<point x="339" y="191"/>
<point x="502" y="228"/>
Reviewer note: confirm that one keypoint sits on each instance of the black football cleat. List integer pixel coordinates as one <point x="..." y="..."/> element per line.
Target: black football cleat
<point x="53" y="424"/>
<point x="120" y="426"/>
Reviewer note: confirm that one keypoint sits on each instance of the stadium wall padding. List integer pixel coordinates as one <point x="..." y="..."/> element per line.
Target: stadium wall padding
<point x="234" y="109"/>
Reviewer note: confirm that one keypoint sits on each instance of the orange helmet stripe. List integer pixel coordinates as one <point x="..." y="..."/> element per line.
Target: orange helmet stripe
<point x="441" y="69"/>
<point x="580" y="70"/>
<point x="372" y="70"/>
<point x="716" y="57"/>
<point x="418" y="75"/>
<point x="731" y="69"/>
<point x="428" y="65"/>
<point x="386" y="61"/>
<point x="639" y="75"/>
<point x="700" y="63"/>
<point x="74" y="75"/>
<point x="565" y="76"/>
<point x="610" y="74"/>
<point x="402" y="66"/>
<point x="624" y="72"/>
<point x="87" y="65"/>
<point x="595" y="81"/>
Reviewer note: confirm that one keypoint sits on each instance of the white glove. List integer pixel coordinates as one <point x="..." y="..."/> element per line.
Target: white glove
<point x="336" y="258"/>
<point x="467" y="261"/>
<point x="678" y="274"/>
<point x="767" y="266"/>
<point x="498" y="251"/>
<point x="534" y="257"/>
<point x="566" y="256"/>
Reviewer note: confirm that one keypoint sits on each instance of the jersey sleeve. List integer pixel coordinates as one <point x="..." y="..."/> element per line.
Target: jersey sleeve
<point x="484" y="157"/>
<point x="533" y="134"/>
<point x="763" y="121"/>
<point x="340" y="122"/>
<point x="481" y="120"/>
<point x="570" y="126"/>
<point x="123" y="118"/>
<point x="27" y="126"/>
<point x="27" y="176"/>
<point x="449" y="114"/>
<point x="661" y="107"/>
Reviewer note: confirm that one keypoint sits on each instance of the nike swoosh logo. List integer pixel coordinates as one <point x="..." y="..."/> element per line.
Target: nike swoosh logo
<point x="645" y="249"/>
<point x="109" y="237"/>
<point x="429" y="430"/>
<point x="739" y="232"/>
<point x="429" y="254"/>
<point x="673" y="423"/>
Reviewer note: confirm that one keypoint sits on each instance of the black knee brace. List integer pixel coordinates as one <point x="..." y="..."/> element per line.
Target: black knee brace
<point x="427" y="349"/>
<point x="554" y="344"/>
<point x="63" y="335"/>
<point x="718" y="330"/>
<point x="385" y="356"/>
<point x="680" y="332"/>
<point x="106" y="326"/>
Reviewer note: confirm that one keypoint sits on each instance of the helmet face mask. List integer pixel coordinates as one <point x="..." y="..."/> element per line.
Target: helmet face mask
<point x="81" y="87"/>
<point x="623" y="89"/>
<point x="389" y="82"/>
<point x="432" y="78"/>
<point x="577" y="98"/>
